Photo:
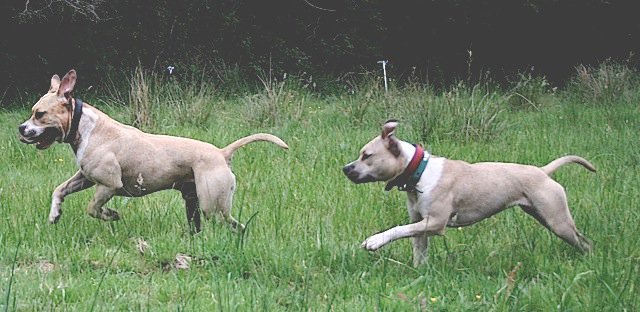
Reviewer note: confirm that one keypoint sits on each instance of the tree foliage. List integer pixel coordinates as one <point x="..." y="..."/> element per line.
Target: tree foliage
<point x="437" y="40"/>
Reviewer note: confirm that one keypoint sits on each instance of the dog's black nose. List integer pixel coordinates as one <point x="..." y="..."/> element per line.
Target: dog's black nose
<point x="346" y="169"/>
<point x="21" y="129"/>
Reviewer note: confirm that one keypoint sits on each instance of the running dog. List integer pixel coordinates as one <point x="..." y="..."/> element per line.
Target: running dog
<point x="122" y="160"/>
<point x="452" y="193"/>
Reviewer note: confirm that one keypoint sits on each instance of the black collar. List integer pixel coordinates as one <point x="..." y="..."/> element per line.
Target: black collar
<point x="75" y="121"/>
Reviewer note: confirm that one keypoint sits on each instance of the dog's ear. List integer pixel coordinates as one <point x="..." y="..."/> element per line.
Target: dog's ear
<point x="55" y="84"/>
<point x="67" y="84"/>
<point x="388" y="128"/>
<point x="387" y="135"/>
<point x="393" y="146"/>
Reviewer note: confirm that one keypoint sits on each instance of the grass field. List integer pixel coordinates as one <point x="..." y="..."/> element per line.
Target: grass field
<point x="305" y="220"/>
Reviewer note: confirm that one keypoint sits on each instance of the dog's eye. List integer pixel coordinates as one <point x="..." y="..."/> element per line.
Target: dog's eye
<point x="39" y="115"/>
<point x="365" y="156"/>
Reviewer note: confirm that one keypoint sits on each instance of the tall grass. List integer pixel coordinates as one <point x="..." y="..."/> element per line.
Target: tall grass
<point x="306" y="220"/>
<point x="155" y="98"/>
<point x="465" y="113"/>
<point x="530" y="92"/>
<point x="279" y="100"/>
<point x="604" y="84"/>
<point x="140" y="98"/>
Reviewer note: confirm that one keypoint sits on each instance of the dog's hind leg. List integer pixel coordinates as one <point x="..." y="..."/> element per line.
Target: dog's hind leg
<point x="101" y="197"/>
<point x="420" y="241"/>
<point x="550" y="208"/>
<point x="215" y="194"/>
<point x="192" y="206"/>
<point x="76" y="183"/>
<point x="108" y="177"/>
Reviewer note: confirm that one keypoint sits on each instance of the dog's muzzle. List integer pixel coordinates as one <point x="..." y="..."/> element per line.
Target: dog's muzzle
<point x="24" y="134"/>
<point x="43" y="140"/>
<point x="353" y="175"/>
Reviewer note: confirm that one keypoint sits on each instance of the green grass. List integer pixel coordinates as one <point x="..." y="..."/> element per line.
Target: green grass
<point x="301" y="248"/>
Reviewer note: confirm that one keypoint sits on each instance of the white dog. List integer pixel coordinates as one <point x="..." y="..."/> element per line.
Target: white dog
<point x="452" y="193"/>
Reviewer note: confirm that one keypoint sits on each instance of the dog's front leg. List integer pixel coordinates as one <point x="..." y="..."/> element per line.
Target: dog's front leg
<point x="76" y="183"/>
<point x="101" y="197"/>
<point x="427" y="226"/>
<point x="376" y="241"/>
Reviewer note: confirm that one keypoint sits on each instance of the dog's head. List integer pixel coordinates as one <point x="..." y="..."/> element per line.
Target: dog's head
<point x="51" y="115"/>
<point x="379" y="160"/>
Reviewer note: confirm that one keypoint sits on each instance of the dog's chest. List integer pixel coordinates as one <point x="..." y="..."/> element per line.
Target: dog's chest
<point x="86" y="129"/>
<point x="428" y="182"/>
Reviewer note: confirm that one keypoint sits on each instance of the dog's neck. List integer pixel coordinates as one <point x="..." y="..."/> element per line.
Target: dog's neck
<point x="407" y="150"/>
<point x="76" y="116"/>
<point x="85" y="127"/>
<point x="409" y="177"/>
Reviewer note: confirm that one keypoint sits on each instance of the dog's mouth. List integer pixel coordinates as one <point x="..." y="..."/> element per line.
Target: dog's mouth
<point x="355" y="176"/>
<point x="43" y="141"/>
<point x="365" y="179"/>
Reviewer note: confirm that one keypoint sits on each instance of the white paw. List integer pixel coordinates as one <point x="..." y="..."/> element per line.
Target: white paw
<point x="54" y="217"/>
<point x="374" y="242"/>
<point x="55" y="211"/>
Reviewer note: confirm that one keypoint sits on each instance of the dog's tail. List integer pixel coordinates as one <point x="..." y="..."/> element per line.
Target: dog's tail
<point x="554" y="165"/>
<point x="231" y="148"/>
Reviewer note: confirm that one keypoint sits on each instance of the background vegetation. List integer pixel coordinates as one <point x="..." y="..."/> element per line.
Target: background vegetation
<point x="305" y="220"/>
<point x="440" y="42"/>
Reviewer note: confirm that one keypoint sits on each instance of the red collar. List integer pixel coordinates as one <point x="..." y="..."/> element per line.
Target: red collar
<point x="402" y="179"/>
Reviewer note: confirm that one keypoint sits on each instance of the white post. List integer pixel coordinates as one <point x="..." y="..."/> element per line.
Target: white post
<point x="384" y="70"/>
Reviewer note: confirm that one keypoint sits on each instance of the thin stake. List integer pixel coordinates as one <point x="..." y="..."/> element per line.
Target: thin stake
<point x="384" y="70"/>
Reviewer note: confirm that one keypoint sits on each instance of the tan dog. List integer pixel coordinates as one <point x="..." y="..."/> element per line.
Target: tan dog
<point x="452" y="193"/>
<point x="122" y="160"/>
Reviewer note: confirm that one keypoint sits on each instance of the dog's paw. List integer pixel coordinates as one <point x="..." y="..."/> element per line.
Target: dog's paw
<point x="109" y="215"/>
<point x="55" y="217"/>
<point x="237" y="228"/>
<point x="374" y="242"/>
